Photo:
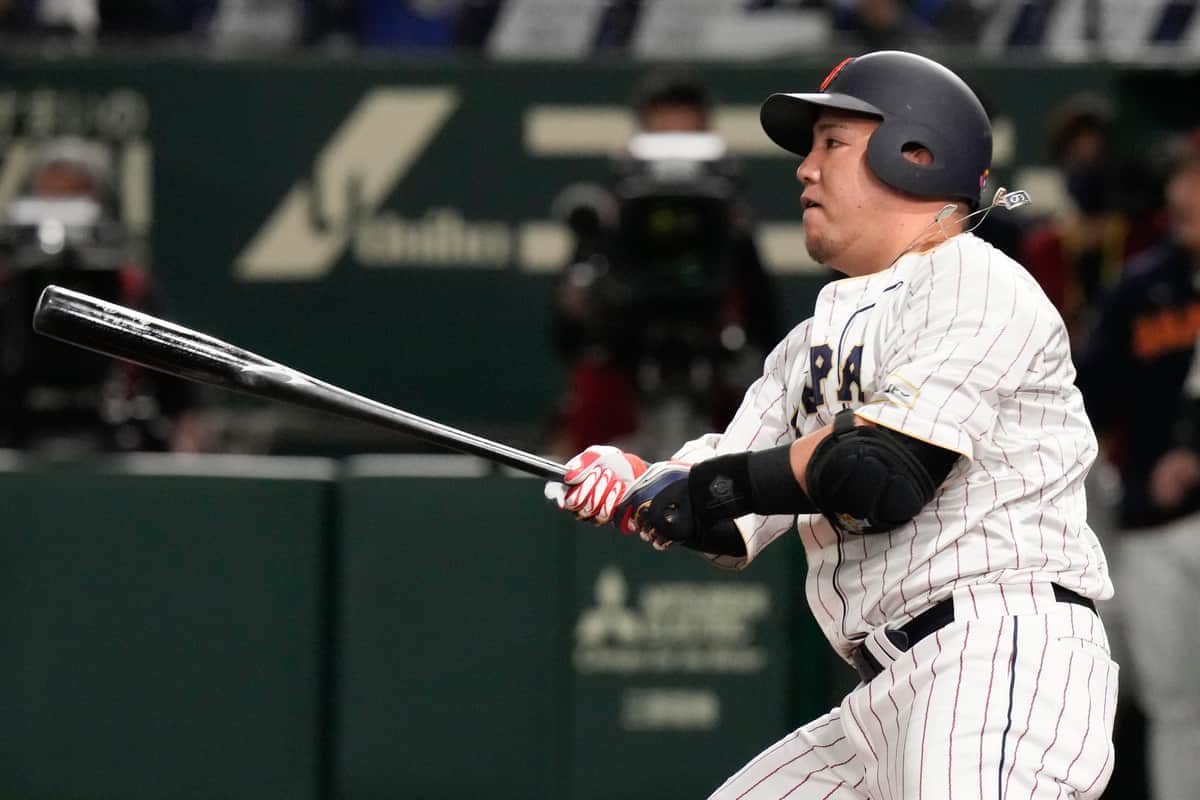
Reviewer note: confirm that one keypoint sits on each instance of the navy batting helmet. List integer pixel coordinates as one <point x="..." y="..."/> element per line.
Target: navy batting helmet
<point x="920" y="102"/>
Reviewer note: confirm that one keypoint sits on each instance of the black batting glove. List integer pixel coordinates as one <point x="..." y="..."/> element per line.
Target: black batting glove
<point x="657" y="506"/>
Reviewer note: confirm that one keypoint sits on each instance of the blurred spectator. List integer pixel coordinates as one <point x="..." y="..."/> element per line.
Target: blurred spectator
<point x="61" y="229"/>
<point x="408" y="23"/>
<point x="1174" y="21"/>
<point x="617" y="25"/>
<point x="1115" y="215"/>
<point x="330" y="21"/>
<point x="16" y="15"/>
<point x="1135" y="378"/>
<point x="122" y="18"/>
<point x="879" y="24"/>
<point x="140" y="18"/>
<point x="907" y="24"/>
<point x="242" y="24"/>
<point x="475" y="23"/>
<point x="115" y="18"/>
<point x="49" y="16"/>
<point x="955" y="20"/>
<point x="665" y="312"/>
<point x="672" y="100"/>
<point x="766" y="5"/>
<point x="1029" y="25"/>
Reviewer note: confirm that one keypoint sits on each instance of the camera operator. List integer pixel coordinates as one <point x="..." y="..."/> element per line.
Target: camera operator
<point x="665" y="312"/>
<point x="55" y="398"/>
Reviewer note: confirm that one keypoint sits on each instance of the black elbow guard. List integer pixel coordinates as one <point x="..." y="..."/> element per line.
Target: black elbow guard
<point x="867" y="479"/>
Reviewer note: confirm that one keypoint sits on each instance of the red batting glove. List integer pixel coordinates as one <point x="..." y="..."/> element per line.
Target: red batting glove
<point x="595" y="483"/>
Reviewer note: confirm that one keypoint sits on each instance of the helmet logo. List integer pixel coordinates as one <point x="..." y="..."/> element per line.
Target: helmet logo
<point x="833" y="73"/>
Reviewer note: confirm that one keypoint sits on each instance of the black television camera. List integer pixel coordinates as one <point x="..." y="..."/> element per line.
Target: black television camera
<point x="52" y="394"/>
<point x="655" y="261"/>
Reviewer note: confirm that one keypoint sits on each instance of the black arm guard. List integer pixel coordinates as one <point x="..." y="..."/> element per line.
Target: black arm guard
<point x="722" y="539"/>
<point x="867" y="479"/>
<point x="760" y="482"/>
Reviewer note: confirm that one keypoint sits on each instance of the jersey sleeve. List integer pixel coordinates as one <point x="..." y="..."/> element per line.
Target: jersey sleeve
<point x="762" y="421"/>
<point x="965" y="337"/>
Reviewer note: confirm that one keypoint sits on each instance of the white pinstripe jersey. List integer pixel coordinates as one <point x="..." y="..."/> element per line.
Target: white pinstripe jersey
<point x="960" y="347"/>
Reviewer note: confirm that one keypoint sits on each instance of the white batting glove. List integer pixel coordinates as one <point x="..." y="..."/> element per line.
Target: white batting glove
<point x="596" y="481"/>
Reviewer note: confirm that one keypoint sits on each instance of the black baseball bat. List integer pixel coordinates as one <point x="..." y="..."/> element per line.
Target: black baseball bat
<point x="130" y="335"/>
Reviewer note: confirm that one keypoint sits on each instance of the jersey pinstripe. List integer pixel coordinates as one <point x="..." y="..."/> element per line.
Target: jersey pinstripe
<point x="957" y="346"/>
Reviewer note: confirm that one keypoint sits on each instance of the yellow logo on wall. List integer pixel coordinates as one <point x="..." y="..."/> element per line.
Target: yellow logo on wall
<point x="367" y="157"/>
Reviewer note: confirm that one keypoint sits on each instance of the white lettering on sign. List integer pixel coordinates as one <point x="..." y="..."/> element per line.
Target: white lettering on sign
<point x="691" y="627"/>
<point x="670" y="710"/>
<point x="439" y="238"/>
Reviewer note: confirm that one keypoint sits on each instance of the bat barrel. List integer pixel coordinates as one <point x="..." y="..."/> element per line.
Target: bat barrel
<point x="123" y="333"/>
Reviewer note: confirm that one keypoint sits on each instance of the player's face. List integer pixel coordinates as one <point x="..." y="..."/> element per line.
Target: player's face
<point x="63" y="180"/>
<point x="1183" y="202"/>
<point x="841" y="196"/>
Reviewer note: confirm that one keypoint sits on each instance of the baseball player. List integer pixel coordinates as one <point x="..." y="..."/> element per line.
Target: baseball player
<point x="923" y="433"/>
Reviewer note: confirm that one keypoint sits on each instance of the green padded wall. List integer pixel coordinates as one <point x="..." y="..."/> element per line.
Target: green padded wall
<point x="159" y="633"/>
<point x="449" y="679"/>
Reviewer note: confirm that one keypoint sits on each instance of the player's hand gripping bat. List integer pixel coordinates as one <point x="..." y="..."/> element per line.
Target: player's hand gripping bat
<point x="123" y="333"/>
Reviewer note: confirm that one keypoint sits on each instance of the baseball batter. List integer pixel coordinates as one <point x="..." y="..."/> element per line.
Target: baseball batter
<point x="923" y="433"/>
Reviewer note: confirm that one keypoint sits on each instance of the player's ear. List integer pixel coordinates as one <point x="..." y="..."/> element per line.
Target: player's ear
<point x="918" y="154"/>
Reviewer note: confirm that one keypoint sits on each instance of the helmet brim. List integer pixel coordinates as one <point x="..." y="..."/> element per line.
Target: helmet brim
<point x="788" y="118"/>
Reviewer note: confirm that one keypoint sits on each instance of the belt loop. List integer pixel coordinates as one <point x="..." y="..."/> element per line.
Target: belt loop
<point x="878" y="651"/>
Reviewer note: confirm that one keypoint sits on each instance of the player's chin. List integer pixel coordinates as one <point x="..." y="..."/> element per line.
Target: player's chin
<point x="820" y="248"/>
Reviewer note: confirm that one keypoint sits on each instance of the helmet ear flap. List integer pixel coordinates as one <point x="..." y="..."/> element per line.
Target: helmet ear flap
<point x="885" y="157"/>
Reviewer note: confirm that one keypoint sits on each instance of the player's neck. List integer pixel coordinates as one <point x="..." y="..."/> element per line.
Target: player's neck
<point x="928" y="231"/>
<point x="915" y="234"/>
